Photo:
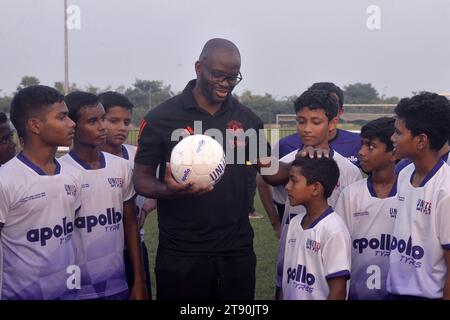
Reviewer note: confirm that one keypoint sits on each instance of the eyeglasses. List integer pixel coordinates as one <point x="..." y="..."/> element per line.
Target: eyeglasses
<point x="218" y="76"/>
<point x="7" y="137"/>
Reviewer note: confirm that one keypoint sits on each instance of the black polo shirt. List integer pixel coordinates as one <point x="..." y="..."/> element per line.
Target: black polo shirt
<point x="215" y="223"/>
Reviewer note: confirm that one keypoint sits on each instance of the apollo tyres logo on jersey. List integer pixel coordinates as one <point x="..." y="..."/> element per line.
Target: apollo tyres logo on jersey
<point x="380" y="245"/>
<point x="110" y="221"/>
<point x="409" y="253"/>
<point x="385" y="244"/>
<point x="300" y="278"/>
<point x="63" y="232"/>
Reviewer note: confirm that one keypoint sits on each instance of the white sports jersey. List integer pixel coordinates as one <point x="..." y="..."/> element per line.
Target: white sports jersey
<point x="314" y="256"/>
<point x="99" y="234"/>
<point x="348" y="173"/>
<point x="129" y="152"/>
<point x="370" y="221"/>
<point x="37" y="212"/>
<point x="421" y="234"/>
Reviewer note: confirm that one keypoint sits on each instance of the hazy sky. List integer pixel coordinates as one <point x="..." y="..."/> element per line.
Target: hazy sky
<point x="285" y="45"/>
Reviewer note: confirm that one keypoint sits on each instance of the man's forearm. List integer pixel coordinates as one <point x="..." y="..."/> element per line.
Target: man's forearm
<point x="152" y="188"/>
<point x="279" y="178"/>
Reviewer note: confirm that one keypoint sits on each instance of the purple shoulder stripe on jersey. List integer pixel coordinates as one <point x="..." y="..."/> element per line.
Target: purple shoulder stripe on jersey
<point x="343" y="273"/>
<point x="35" y="168"/>
<point x="126" y="156"/>
<point x="393" y="191"/>
<point x="86" y="165"/>
<point x="430" y="174"/>
<point x="370" y="186"/>
<point x="290" y="217"/>
<point x="402" y="165"/>
<point x="372" y="192"/>
<point x="445" y="157"/>
<point x="321" y="217"/>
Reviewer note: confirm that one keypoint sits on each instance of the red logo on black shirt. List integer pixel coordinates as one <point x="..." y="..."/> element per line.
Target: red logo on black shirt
<point x="238" y="128"/>
<point x="235" y="125"/>
<point x="141" y="128"/>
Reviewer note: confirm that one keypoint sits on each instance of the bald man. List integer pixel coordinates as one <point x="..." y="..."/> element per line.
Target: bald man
<point x="205" y="246"/>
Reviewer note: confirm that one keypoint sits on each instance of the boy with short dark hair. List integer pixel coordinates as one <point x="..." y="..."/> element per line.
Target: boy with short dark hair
<point x="7" y="145"/>
<point x="316" y="112"/>
<point x="317" y="252"/>
<point x="369" y="208"/>
<point x="118" y="124"/>
<point x="107" y="218"/>
<point x="419" y="253"/>
<point x="39" y="197"/>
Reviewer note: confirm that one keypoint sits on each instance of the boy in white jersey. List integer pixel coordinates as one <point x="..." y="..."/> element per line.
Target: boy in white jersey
<point x="118" y="124"/>
<point x="369" y="207"/>
<point x="420" y="244"/>
<point x="107" y="214"/>
<point x="317" y="254"/>
<point x="39" y="197"/>
<point x="316" y="112"/>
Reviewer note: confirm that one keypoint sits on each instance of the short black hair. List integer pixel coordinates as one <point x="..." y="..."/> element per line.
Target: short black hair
<point x="329" y="87"/>
<point x="317" y="99"/>
<point x="3" y="118"/>
<point x="381" y="129"/>
<point x="30" y="102"/>
<point x="112" y="99"/>
<point x="79" y="99"/>
<point x="323" y="170"/>
<point x="427" y="113"/>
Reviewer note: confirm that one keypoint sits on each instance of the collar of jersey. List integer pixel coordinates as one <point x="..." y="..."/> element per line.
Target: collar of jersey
<point x="320" y="218"/>
<point x="125" y="154"/>
<point x="445" y="157"/>
<point x="430" y="174"/>
<point x="86" y="165"/>
<point x="35" y="168"/>
<point x="372" y="192"/>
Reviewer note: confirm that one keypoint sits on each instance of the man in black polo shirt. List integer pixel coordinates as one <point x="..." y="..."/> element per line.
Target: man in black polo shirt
<point x="205" y="239"/>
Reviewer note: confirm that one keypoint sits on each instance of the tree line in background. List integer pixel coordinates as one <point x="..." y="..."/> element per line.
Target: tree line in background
<point x="147" y="94"/>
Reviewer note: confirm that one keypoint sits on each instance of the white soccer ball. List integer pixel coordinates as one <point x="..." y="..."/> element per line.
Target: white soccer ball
<point x="199" y="159"/>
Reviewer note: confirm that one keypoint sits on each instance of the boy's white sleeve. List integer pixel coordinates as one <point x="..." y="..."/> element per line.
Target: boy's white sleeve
<point x="4" y="204"/>
<point x="443" y="222"/>
<point x="336" y="255"/>
<point x="343" y="210"/>
<point x="282" y="247"/>
<point x="128" y="188"/>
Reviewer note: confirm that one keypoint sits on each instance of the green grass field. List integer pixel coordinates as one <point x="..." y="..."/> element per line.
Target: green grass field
<point x="265" y="244"/>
